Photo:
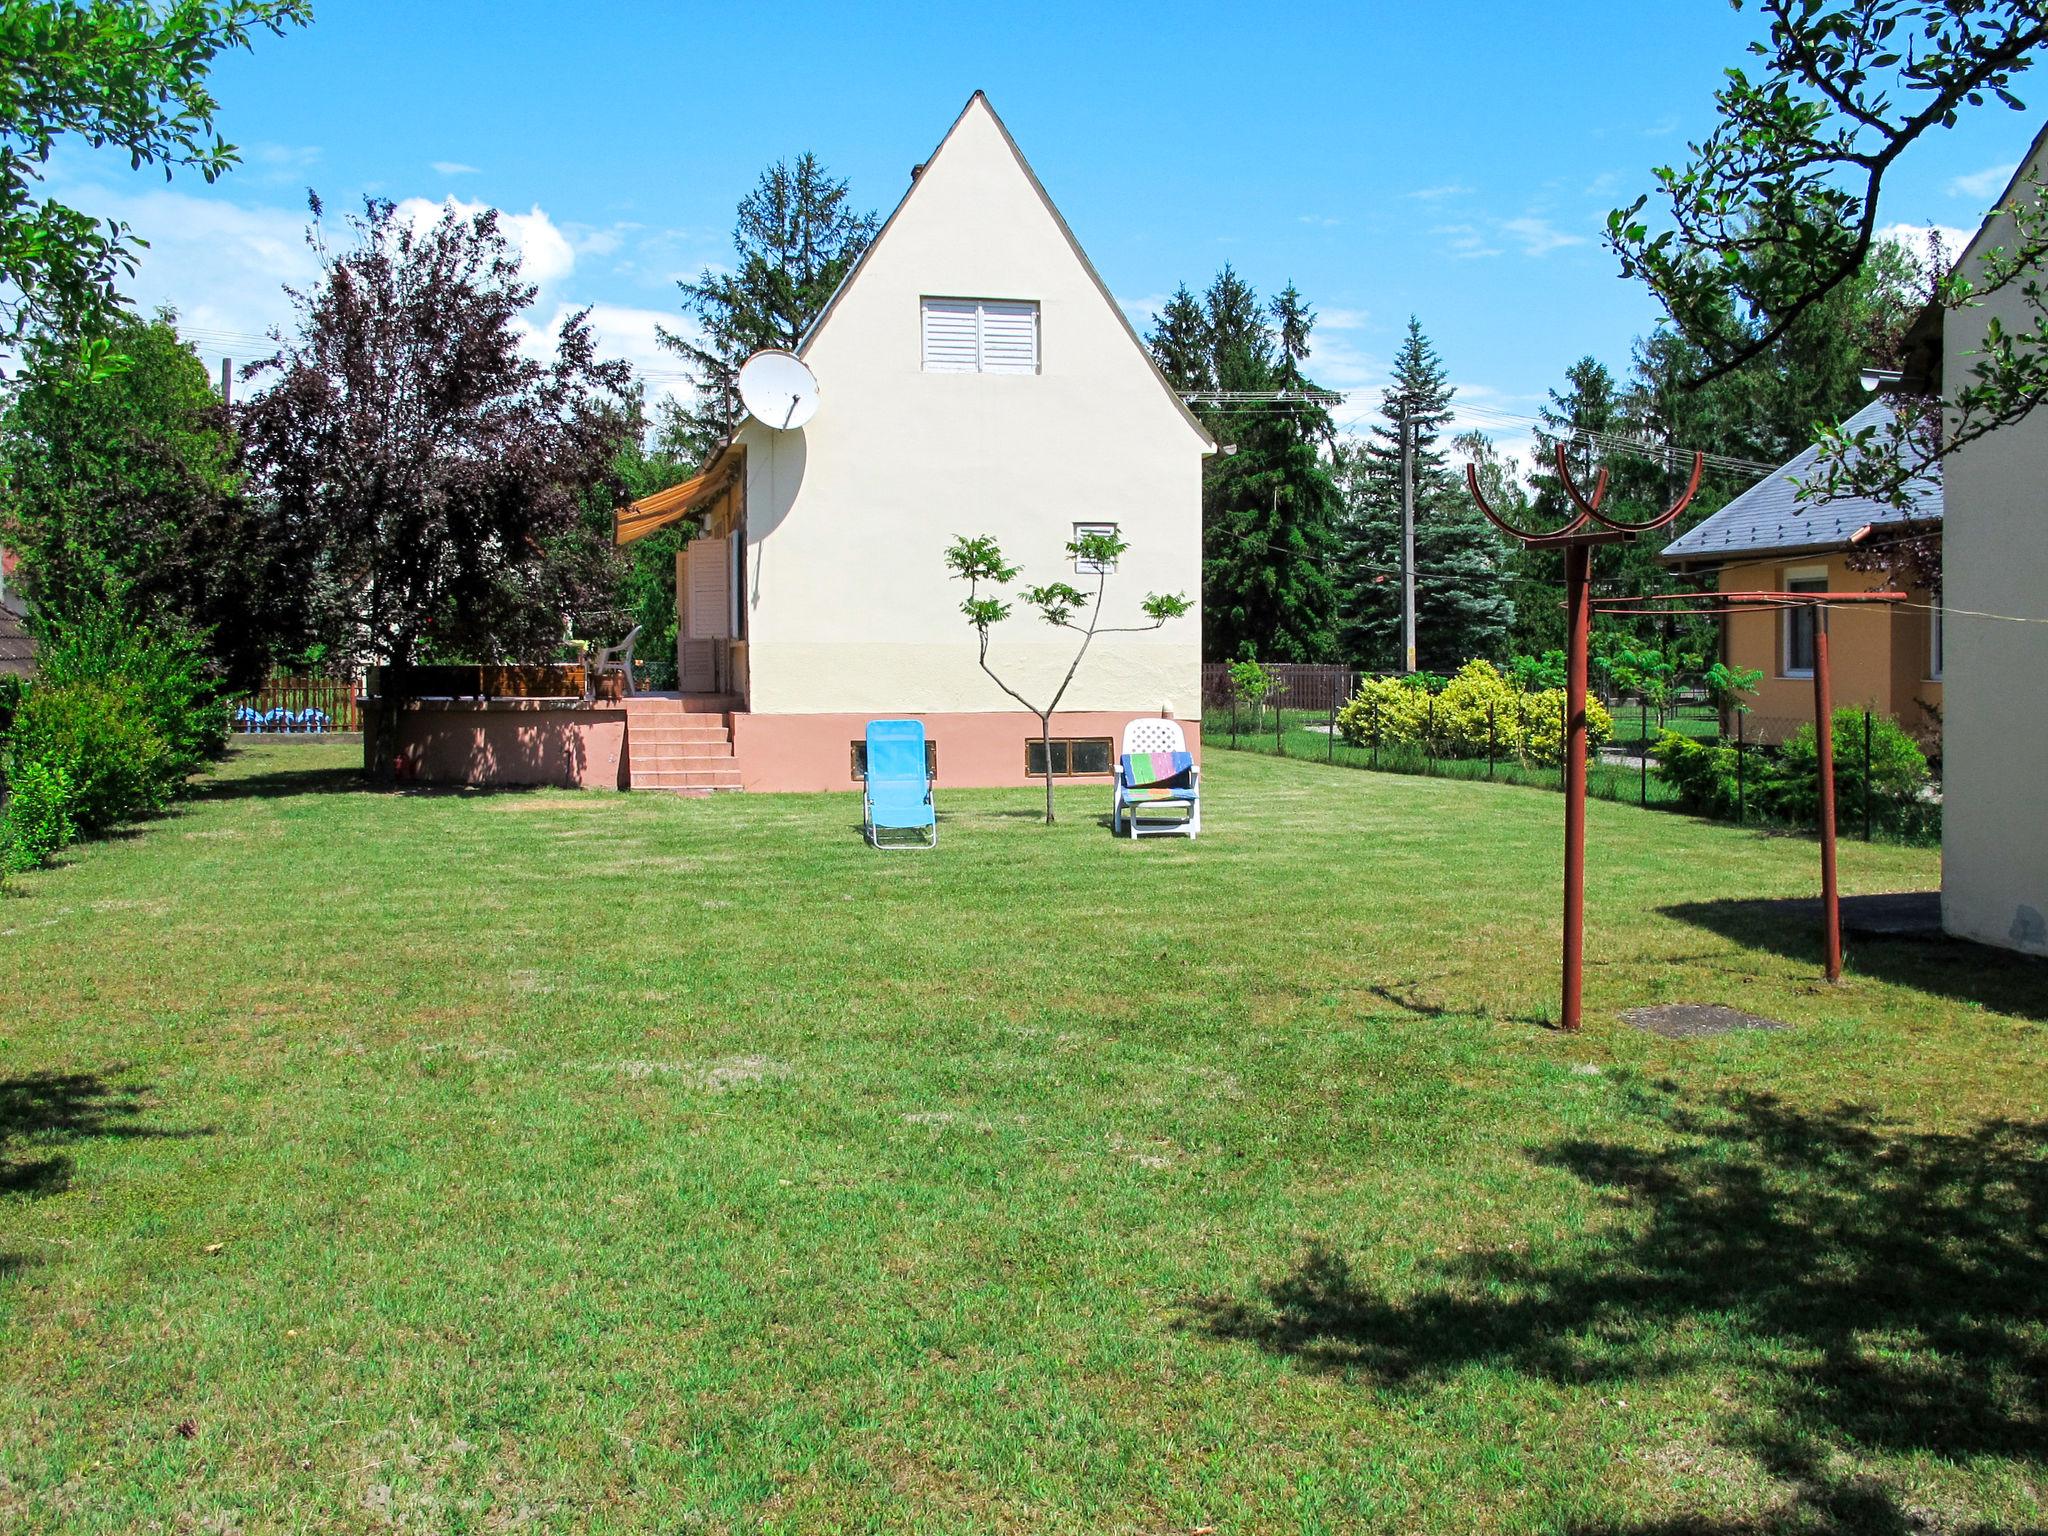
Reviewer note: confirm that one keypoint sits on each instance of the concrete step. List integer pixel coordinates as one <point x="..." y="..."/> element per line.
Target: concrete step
<point x="686" y="778"/>
<point x="644" y="762"/>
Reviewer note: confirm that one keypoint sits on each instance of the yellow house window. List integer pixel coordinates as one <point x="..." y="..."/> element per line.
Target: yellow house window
<point x="1800" y="624"/>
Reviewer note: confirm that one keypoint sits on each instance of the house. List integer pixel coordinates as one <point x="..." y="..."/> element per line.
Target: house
<point x="1994" y="846"/>
<point x="17" y="650"/>
<point x="974" y="376"/>
<point x="1884" y="658"/>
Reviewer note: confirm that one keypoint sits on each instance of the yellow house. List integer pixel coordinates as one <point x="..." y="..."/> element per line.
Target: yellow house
<point x="1885" y="658"/>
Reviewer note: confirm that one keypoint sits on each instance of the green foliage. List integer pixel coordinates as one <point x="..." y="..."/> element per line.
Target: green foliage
<point x="165" y="673"/>
<point x="103" y="73"/>
<point x="1533" y="673"/>
<point x="795" y="240"/>
<point x="1477" y="713"/>
<point x="37" y="822"/>
<point x="1270" y="508"/>
<point x="1896" y="785"/>
<point x="123" y="488"/>
<point x="1730" y="687"/>
<point x="96" y="739"/>
<point x="1461" y="603"/>
<point x="1703" y="773"/>
<point x="1253" y="681"/>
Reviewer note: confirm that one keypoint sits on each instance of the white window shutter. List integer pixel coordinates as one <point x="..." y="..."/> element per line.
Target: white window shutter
<point x="1009" y="338"/>
<point x="710" y="611"/>
<point x="950" y="336"/>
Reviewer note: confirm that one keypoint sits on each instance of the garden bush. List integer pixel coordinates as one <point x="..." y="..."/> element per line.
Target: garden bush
<point x="1897" y="786"/>
<point x="1703" y="773"/>
<point x="166" y="673"/>
<point x="1476" y="713"/>
<point x="38" y="818"/>
<point x="97" y="739"/>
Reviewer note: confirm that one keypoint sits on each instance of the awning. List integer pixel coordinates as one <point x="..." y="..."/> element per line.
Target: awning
<point x="650" y="514"/>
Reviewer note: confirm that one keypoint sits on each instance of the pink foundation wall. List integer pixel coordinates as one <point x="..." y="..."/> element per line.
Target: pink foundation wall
<point x="791" y="753"/>
<point x="496" y="742"/>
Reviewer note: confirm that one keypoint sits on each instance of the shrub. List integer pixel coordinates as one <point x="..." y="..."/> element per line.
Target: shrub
<point x="1703" y="773"/>
<point x="1476" y="709"/>
<point x="38" y="819"/>
<point x="1897" y="783"/>
<point x="1543" y="726"/>
<point x="1535" y="674"/>
<point x="1387" y="708"/>
<point x="98" y="737"/>
<point x="165" y="673"/>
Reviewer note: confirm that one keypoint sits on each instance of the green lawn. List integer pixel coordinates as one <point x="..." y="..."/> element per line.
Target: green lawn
<point x="558" y="1162"/>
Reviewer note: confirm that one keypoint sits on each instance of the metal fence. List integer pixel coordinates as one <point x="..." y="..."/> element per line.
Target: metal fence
<point x="1300" y="719"/>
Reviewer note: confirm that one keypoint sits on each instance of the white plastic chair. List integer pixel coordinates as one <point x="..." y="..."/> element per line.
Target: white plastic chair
<point x="1155" y="733"/>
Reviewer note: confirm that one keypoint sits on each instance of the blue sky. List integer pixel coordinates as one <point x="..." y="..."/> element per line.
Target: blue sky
<point x="1454" y="161"/>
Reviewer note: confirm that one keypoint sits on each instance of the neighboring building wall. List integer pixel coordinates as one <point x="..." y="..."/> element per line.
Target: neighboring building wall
<point x="850" y="609"/>
<point x="1995" y="718"/>
<point x="1879" y="656"/>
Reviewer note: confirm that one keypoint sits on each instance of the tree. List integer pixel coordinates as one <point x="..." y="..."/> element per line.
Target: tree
<point x="1462" y="607"/>
<point x="434" y="473"/>
<point x="122" y="491"/>
<point x="1776" y="210"/>
<point x="796" y="239"/>
<point x="979" y="562"/>
<point x="119" y="74"/>
<point x="1269" y="504"/>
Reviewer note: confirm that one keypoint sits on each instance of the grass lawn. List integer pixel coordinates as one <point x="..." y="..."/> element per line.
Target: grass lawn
<point x="559" y="1162"/>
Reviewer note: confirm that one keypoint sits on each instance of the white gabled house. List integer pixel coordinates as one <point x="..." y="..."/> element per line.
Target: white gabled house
<point x="974" y="376"/>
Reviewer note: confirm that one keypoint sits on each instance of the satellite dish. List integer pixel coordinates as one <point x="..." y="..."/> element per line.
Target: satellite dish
<point x="778" y="390"/>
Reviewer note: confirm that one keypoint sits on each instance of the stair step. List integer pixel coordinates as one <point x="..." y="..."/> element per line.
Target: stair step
<point x="656" y="762"/>
<point x="687" y="778"/>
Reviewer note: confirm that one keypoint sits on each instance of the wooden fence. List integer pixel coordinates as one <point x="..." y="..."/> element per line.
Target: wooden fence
<point x="1301" y="686"/>
<point x="293" y="696"/>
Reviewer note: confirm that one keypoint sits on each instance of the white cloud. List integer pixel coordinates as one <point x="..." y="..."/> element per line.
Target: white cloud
<point x="1466" y="242"/>
<point x="1320" y="220"/>
<point x="1986" y="183"/>
<point x="1914" y="238"/>
<point x="1538" y="237"/>
<point x="545" y="254"/>
<point x="1603" y="184"/>
<point x="454" y="168"/>
<point x="621" y="332"/>
<point x="1666" y="124"/>
<point x="280" y="163"/>
<point x="1143" y="313"/>
<point x="1340" y="319"/>
<point x="1439" y="193"/>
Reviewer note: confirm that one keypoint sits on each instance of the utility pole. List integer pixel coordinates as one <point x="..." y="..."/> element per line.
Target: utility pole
<point x="227" y="374"/>
<point x="1407" y="539"/>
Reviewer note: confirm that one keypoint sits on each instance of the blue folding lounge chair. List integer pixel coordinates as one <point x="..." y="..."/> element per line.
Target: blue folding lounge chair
<point x="1156" y="769"/>
<point x="897" y="793"/>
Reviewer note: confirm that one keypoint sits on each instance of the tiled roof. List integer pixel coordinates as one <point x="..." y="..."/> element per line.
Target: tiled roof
<point x="1770" y="515"/>
<point x="17" y="652"/>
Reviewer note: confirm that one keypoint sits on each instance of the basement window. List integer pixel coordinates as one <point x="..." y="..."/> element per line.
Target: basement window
<point x="1072" y="757"/>
<point x="980" y="336"/>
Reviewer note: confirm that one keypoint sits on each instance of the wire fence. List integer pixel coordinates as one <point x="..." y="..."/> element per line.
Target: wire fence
<point x="1745" y="780"/>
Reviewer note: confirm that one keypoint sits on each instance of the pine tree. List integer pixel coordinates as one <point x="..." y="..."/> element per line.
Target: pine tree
<point x="1462" y="607"/>
<point x="796" y="238"/>
<point x="1269" y="509"/>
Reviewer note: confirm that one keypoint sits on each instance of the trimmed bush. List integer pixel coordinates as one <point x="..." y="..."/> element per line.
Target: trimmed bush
<point x="1897" y="785"/>
<point x="38" y="819"/>
<point x="1703" y="774"/>
<point x="167" y="674"/>
<point x="97" y="738"/>
<point x="1476" y="713"/>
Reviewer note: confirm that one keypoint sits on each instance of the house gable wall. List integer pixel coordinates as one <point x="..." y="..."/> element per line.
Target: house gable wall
<point x="850" y="606"/>
<point x="1994" y="806"/>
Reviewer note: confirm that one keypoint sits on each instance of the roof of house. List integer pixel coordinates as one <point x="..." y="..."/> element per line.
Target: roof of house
<point x="980" y="99"/>
<point x="17" y="651"/>
<point x="1771" y="516"/>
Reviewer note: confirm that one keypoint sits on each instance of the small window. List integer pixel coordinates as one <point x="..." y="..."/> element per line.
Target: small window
<point x="980" y="336"/>
<point x="1934" y="638"/>
<point x="1800" y="624"/>
<point x="1072" y="757"/>
<point x="857" y="754"/>
<point x="1084" y="567"/>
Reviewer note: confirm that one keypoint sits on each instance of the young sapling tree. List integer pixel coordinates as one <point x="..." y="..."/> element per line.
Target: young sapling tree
<point x="979" y="562"/>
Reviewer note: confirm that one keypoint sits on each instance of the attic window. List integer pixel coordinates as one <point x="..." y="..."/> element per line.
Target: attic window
<point x="980" y="336"/>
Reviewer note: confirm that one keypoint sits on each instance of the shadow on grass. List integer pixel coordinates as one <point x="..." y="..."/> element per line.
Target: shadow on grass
<point x="42" y="1112"/>
<point x="1874" y="1290"/>
<point x="1997" y="979"/>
